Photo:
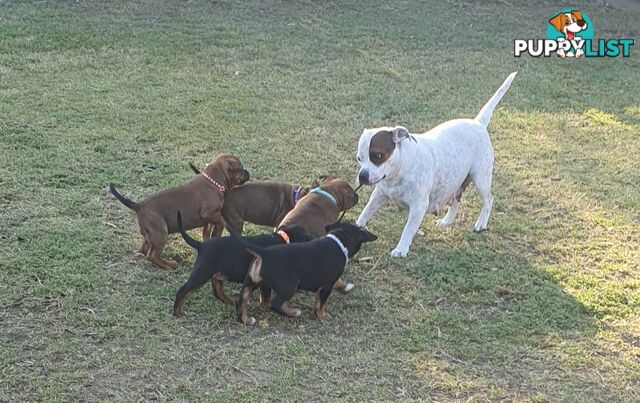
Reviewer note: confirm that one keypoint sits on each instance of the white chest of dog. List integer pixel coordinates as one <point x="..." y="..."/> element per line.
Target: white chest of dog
<point x="427" y="172"/>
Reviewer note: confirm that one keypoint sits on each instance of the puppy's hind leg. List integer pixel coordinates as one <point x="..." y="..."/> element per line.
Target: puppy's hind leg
<point x="265" y="295"/>
<point x="243" y="299"/>
<point x="181" y="297"/>
<point x="144" y="247"/>
<point x="279" y="304"/>
<point x="157" y="240"/>
<point x="321" y="300"/>
<point x="218" y="290"/>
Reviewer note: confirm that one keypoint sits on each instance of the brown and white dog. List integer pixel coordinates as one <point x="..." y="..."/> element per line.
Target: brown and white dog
<point x="569" y="24"/>
<point x="199" y="200"/>
<point x="424" y="173"/>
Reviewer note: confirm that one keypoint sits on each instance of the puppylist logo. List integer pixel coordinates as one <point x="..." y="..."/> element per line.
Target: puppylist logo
<point x="570" y="34"/>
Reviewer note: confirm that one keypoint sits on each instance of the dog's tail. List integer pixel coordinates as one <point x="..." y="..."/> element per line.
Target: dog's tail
<point x="127" y="202"/>
<point x="255" y="250"/>
<point x="194" y="169"/>
<point x="195" y="244"/>
<point x="485" y="113"/>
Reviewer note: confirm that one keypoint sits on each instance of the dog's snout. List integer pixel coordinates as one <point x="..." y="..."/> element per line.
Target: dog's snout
<point x="363" y="177"/>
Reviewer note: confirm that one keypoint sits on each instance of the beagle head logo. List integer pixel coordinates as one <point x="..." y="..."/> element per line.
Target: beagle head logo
<point x="569" y="23"/>
<point x="570" y="28"/>
<point x="570" y="33"/>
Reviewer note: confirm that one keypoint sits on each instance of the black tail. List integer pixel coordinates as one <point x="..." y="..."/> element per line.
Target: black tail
<point x="190" y="241"/>
<point x="193" y="168"/>
<point x="253" y="249"/>
<point x="127" y="202"/>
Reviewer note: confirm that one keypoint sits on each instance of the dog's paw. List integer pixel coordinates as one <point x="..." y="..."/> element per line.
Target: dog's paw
<point x="347" y="289"/>
<point x="322" y="316"/>
<point x="171" y="264"/>
<point x="479" y="228"/>
<point x="399" y="252"/>
<point x="251" y="321"/>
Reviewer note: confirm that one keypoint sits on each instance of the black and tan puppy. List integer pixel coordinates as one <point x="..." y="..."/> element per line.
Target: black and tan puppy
<point x="312" y="266"/>
<point x="226" y="259"/>
<point x="260" y="203"/>
<point x="321" y="207"/>
<point x="200" y="201"/>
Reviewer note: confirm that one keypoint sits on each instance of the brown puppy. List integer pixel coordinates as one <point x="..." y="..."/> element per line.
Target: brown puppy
<point x="199" y="200"/>
<point x="259" y="203"/>
<point x="321" y="207"/>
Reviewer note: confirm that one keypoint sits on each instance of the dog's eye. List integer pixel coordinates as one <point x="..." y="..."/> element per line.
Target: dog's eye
<point x="375" y="156"/>
<point x="358" y="158"/>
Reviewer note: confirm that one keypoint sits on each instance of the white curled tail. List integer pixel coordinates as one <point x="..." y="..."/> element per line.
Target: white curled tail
<point x="487" y="110"/>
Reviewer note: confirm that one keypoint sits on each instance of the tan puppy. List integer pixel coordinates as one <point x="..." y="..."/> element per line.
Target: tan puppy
<point x="200" y="202"/>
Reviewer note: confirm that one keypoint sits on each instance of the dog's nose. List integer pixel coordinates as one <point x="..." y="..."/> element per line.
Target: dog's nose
<point x="580" y="23"/>
<point x="363" y="177"/>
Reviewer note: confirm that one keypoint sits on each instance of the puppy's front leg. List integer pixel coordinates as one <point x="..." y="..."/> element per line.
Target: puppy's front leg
<point x="375" y="203"/>
<point x="416" y="214"/>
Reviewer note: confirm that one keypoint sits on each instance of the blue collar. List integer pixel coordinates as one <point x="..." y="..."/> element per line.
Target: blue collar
<point x="325" y="194"/>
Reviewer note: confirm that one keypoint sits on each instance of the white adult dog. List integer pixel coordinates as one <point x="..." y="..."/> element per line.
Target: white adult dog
<point x="428" y="172"/>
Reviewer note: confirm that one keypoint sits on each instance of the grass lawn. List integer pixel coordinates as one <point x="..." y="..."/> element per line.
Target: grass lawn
<point x="545" y="306"/>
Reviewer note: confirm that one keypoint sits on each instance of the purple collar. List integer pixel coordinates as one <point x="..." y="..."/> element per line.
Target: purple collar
<point x="296" y="194"/>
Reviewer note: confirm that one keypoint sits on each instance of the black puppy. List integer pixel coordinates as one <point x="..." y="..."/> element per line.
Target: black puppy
<point x="311" y="266"/>
<point x="226" y="259"/>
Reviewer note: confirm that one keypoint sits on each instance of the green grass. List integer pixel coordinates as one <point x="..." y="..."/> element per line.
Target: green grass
<point x="543" y="306"/>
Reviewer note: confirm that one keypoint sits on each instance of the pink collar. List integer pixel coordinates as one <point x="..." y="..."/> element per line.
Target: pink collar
<point x="217" y="184"/>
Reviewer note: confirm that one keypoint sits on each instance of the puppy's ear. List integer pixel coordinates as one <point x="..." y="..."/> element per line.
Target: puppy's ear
<point x="368" y="236"/>
<point x="332" y="226"/>
<point x="558" y="21"/>
<point x="400" y="134"/>
<point x="326" y="178"/>
<point x="193" y="168"/>
<point x="577" y="14"/>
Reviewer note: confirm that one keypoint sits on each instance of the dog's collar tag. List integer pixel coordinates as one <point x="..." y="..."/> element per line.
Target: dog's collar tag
<point x="284" y="236"/>
<point x="217" y="184"/>
<point x="296" y="194"/>
<point x="325" y="194"/>
<point x="344" y="250"/>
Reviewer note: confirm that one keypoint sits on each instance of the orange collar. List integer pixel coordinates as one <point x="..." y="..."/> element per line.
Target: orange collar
<point x="283" y="235"/>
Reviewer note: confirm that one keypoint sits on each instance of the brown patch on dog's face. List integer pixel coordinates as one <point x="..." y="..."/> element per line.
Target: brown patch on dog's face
<point x="343" y="192"/>
<point x="381" y="147"/>
<point x="562" y="20"/>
